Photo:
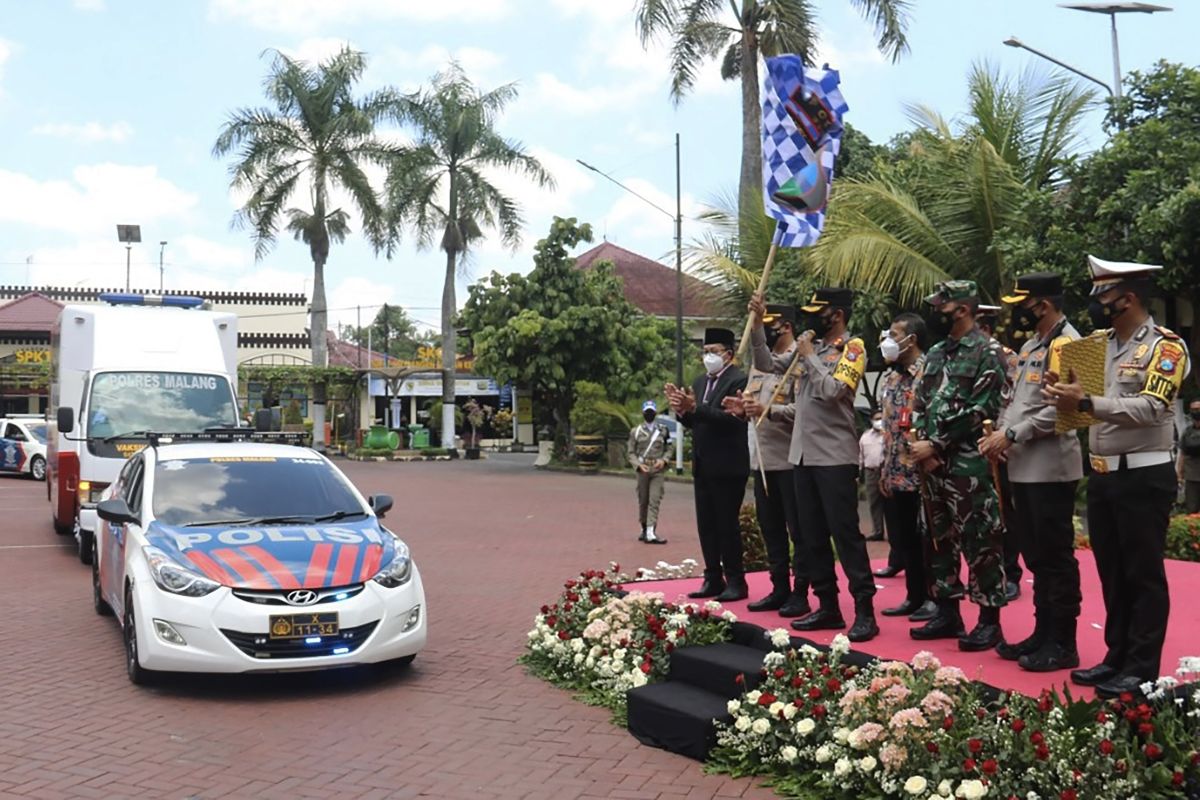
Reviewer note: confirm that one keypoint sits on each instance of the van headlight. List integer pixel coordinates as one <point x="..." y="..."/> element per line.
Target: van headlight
<point x="398" y="570"/>
<point x="171" y="577"/>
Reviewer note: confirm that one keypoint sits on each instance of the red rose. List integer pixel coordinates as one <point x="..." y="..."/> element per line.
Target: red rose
<point x="990" y="767"/>
<point x="1102" y="717"/>
<point x="818" y="711"/>
<point x="1042" y="752"/>
<point x="969" y="765"/>
<point x="1177" y="778"/>
<point x="1146" y="728"/>
<point x="545" y="609"/>
<point x="980" y="713"/>
<point x="1067" y="794"/>
<point x="1196" y="759"/>
<point x="947" y="723"/>
<point x="797" y="682"/>
<point x="648" y="644"/>
<point x="975" y="746"/>
<point x="1037" y="738"/>
<point x="825" y="671"/>
<point x="766" y="699"/>
<point x="681" y="633"/>
<point x="1045" y="703"/>
<point x="1153" y="751"/>
<point x="1130" y="715"/>
<point x="1126" y="697"/>
<point x="1107" y="747"/>
<point x="564" y="635"/>
<point x="1120" y="766"/>
<point x="551" y="621"/>
<point x="646" y="667"/>
<point x="833" y="684"/>
<point x="798" y="702"/>
<point x="670" y="648"/>
<point x="739" y="679"/>
<point x="814" y="693"/>
<point x="932" y="747"/>
<point x="1018" y="725"/>
<point x="779" y="673"/>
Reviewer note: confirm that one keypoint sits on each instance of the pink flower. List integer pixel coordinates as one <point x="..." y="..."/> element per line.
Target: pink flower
<point x="883" y="682"/>
<point x="949" y="676"/>
<point x="893" y="757"/>
<point x="907" y="718"/>
<point x="925" y="660"/>
<point x="867" y="733"/>
<point x="896" y="695"/>
<point x="853" y="698"/>
<point x="937" y="703"/>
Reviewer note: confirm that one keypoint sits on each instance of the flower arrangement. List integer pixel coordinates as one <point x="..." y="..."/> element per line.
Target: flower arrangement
<point x="822" y="729"/>
<point x="1183" y="537"/>
<point x="601" y="642"/>
<point x="477" y="414"/>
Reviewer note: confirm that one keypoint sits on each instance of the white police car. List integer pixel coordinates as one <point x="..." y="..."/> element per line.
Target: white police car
<point x="23" y="445"/>
<point x="244" y="556"/>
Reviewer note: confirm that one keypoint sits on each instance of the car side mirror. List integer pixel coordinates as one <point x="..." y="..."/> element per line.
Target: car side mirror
<point x="381" y="504"/>
<point x="66" y="419"/>
<point x="116" y="511"/>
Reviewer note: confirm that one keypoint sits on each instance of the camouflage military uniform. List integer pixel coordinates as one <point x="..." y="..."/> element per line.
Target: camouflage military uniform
<point x="960" y="386"/>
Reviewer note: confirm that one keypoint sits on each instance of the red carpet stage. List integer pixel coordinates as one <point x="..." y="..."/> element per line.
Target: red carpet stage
<point x="893" y="641"/>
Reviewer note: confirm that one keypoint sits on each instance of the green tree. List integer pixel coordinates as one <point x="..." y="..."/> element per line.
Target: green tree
<point x="439" y="185"/>
<point x="560" y="324"/>
<point x="392" y="332"/>
<point x="315" y="139"/>
<point x="738" y="33"/>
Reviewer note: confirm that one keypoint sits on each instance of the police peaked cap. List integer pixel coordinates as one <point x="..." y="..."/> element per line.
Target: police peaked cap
<point x="779" y="312"/>
<point x="829" y="297"/>
<point x="1035" y="284"/>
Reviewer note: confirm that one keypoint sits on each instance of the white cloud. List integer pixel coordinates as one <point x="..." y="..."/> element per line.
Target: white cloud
<point x="87" y="132"/>
<point x="345" y="296"/>
<point x="598" y="10"/>
<point x="314" y="50"/>
<point x="97" y="197"/>
<point x="477" y="62"/>
<point x="302" y="16"/>
<point x="6" y="51"/>
<point x="89" y="5"/>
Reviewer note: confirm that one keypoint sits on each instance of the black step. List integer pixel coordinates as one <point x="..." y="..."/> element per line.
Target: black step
<point x="676" y="717"/>
<point x="715" y="668"/>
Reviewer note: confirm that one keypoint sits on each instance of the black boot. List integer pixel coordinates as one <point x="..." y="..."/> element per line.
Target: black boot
<point x="1056" y="652"/>
<point x="946" y="623"/>
<point x="1030" y="644"/>
<point x="826" y="618"/>
<point x="864" y="628"/>
<point x="735" y="589"/>
<point x="986" y="634"/>
<point x="796" y="605"/>
<point x="713" y="585"/>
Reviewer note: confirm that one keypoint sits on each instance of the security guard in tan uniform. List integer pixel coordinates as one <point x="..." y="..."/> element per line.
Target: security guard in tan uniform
<point x="647" y="453"/>
<point x="1044" y="468"/>
<point x="824" y="454"/>
<point x="1132" y="486"/>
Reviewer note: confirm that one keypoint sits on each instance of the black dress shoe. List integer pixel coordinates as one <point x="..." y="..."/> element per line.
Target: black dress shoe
<point x="1012" y="652"/>
<point x="735" y="590"/>
<point x="710" y="588"/>
<point x="823" y="619"/>
<point x="946" y="624"/>
<point x="864" y="628"/>
<point x="902" y="610"/>
<point x="795" y="606"/>
<point x="655" y="540"/>
<point x="983" y="636"/>
<point x="1093" y="676"/>
<point x="888" y="572"/>
<point x="1012" y="590"/>
<point x="926" y="612"/>
<point x="1050" y="657"/>
<point x="772" y="602"/>
<point x="875" y="537"/>
<point x="1120" y="684"/>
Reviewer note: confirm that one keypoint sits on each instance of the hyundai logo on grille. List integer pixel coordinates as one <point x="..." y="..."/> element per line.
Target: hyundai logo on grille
<point x="301" y="597"/>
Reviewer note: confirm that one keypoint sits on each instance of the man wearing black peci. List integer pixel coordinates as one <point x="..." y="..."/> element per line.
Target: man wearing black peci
<point x="720" y="465"/>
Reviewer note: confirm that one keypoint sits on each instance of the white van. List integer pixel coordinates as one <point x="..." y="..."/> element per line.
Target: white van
<point x="118" y="372"/>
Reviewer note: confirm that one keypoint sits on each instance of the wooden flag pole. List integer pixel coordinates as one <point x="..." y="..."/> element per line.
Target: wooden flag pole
<point x="762" y="287"/>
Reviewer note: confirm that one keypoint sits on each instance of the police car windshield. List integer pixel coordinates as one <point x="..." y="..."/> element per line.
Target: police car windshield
<point x="170" y="402"/>
<point x="230" y="490"/>
<point x="38" y="431"/>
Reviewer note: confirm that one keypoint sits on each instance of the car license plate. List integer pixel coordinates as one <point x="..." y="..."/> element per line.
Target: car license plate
<point x="298" y="626"/>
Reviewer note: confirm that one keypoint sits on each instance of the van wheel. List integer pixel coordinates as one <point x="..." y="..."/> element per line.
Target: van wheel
<point x="85" y="540"/>
<point x="138" y="675"/>
<point x="98" y="602"/>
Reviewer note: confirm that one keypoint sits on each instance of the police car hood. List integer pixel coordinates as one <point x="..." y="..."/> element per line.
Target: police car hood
<point x="279" y="556"/>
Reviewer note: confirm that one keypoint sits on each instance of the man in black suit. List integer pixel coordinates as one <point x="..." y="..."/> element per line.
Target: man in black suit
<point x="720" y="465"/>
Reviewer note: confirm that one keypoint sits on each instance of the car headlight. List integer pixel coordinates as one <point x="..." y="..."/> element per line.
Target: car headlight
<point x="176" y="579"/>
<point x="398" y="570"/>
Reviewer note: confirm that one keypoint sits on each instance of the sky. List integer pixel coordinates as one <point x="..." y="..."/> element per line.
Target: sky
<point x="109" y="110"/>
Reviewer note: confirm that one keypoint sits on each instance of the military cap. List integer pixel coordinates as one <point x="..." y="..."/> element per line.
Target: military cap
<point x="947" y="291"/>
<point x="719" y="336"/>
<point x="1107" y="274"/>
<point x="649" y="405"/>
<point x="829" y="297"/>
<point x="1035" y="284"/>
<point x="778" y="312"/>
<point x="987" y="312"/>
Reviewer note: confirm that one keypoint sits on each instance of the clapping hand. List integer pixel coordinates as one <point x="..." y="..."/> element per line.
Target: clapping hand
<point x="734" y="404"/>
<point x="682" y="401"/>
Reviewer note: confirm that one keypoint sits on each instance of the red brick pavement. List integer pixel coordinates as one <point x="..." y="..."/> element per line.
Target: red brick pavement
<point x="493" y="542"/>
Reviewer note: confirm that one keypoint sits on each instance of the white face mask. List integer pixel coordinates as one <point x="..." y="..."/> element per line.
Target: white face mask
<point x="877" y="424"/>
<point x="713" y="362"/>
<point x="890" y="349"/>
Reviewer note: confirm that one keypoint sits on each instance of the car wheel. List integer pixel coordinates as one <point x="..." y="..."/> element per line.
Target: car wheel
<point x="37" y="468"/>
<point x="85" y="540"/>
<point x="98" y="603"/>
<point x="138" y="675"/>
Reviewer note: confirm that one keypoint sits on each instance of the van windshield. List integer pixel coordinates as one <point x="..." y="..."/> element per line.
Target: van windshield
<point x="167" y="402"/>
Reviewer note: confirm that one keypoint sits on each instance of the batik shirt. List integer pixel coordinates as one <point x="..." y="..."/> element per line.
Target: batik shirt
<point x="898" y="473"/>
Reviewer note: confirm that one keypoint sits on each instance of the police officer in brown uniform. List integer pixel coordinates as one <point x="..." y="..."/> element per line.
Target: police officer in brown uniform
<point x="1132" y="486"/>
<point x="1043" y="468"/>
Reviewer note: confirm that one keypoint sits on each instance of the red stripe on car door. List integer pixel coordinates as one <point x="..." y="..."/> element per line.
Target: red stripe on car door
<point x="318" y="566"/>
<point x="343" y="573"/>
<point x="282" y="575"/>
<point x="253" y="577"/>
<point x="371" y="561"/>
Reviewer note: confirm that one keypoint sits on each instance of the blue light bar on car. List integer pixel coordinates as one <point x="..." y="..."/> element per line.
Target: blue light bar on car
<point x="131" y="299"/>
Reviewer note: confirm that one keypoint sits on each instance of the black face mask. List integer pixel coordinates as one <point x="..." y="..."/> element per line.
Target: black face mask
<point x="940" y="323"/>
<point x="772" y="336"/>
<point x="821" y="323"/>
<point x="1023" y="319"/>
<point x="649" y="415"/>
<point x="1103" y="314"/>
<point x="1196" y="415"/>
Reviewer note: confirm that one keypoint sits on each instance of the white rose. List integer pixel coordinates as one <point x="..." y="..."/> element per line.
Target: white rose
<point x="868" y="764"/>
<point x="729" y="616"/>
<point x="733" y="706"/>
<point x="742" y="724"/>
<point x="841" y="735"/>
<point x="761" y="726"/>
<point x="619" y="654"/>
<point x="752" y="698"/>
<point x="840" y="645"/>
<point x="823" y="754"/>
<point x="779" y="637"/>
<point x="916" y="785"/>
<point x="805" y="726"/>
<point x="945" y="788"/>
<point x="638" y="678"/>
<point x="790" y="711"/>
<point x="789" y="753"/>
<point x="971" y="790"/>
<point x="841" y="767"/>
<point x="775" y="708"/>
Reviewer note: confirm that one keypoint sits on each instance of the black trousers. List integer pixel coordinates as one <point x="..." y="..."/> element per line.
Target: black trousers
<point x="902" y="511"/>
<point x="1128" y="511"/>
<point x="1014" y="537"/>
<point x="827" y="507"/>
<point x="718" y="503"/>
<point x="776" y="511"/>
<point x="1043" y="516"/>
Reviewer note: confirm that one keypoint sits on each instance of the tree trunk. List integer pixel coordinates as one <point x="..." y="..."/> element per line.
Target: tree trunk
<point x="319" y="324"/>
<point x="750" y="182"/>
<point x="449" y="348"/>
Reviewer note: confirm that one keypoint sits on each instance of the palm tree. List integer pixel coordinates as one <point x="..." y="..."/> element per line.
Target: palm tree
<point x="440" y="186"/>
<point x="317" y="138"/>
<point x="738" y="32"/>
<point x="936" y="215"/>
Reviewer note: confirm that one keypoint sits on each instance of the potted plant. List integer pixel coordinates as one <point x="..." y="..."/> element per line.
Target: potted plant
<point x="587" y="424"/>
<point x="477" y="414"/>
<point x="293" y="420"/>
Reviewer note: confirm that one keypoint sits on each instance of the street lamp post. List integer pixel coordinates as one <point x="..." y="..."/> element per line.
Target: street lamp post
<point x="677" y="218"/>
<point x="128" y="235"/>
<point x="1112" y="9"/>
<point x="1013" y="41"/>
<point x="162" y="247"/>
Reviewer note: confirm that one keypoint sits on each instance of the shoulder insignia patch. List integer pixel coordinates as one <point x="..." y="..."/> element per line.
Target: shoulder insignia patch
<point x="1166" y="333"/>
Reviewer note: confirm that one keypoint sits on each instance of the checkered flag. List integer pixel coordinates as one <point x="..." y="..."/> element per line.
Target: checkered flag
<point x="802" y="134"/>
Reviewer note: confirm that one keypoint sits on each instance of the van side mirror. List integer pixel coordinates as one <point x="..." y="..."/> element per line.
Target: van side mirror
<point x="66" y="419"/>
<point x="116" y="511"/>
<point x="380" y="504"/>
